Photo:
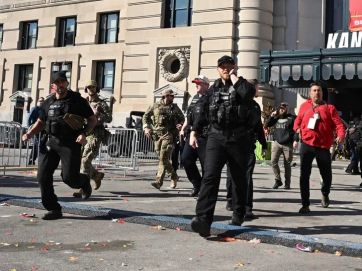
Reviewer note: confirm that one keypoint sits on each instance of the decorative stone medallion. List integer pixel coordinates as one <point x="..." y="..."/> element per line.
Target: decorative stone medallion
<point x="174" y="63"/>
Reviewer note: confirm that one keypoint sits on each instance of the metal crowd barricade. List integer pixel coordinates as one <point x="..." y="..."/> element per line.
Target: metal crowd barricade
<point x="13" y="151"/>
<point x="125" y="149"/>
<point x="11" y="144"/>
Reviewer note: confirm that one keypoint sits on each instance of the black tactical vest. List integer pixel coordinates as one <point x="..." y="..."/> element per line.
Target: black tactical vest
<point x="228" y="111"/>
<point x="55" y="125"/>
<point x="193" y="112"/>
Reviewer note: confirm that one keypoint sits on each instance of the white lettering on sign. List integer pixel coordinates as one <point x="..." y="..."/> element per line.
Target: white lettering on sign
<point x="332" y="39"/>
<point x="356" y="40"/>
<point x="345" y="40"/>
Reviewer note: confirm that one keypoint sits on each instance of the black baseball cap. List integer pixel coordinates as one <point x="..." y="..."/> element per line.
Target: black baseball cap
<point x="225" y="59"/>
<point x="59" y="76"/>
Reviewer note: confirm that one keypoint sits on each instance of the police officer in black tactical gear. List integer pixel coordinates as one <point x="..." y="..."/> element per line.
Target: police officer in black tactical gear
<point x="189" y="154"/>
<point x="258" y="135"/>
<point x="227" y="106"/>
<point x="63" y="119"/>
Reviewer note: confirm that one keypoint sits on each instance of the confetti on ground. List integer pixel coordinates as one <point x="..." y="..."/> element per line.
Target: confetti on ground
<point x="4" y="204"/>
<point x="178" y="228"/>
<point x="228" y="239"/>
<point x="27" y="215"/>
<point x="303" y="248"/>
<point x="44" y="249"/>
<point x="73" y="259"/>
<point x="119" y="220"/>
<point x="5" y="244"/>
<point x="239" y="264"/>
<point x="159" y="228"/>
<point x="338" y="253"/>
<point x="255" y="241"/>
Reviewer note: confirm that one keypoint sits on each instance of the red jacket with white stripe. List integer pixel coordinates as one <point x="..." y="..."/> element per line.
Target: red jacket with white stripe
<point x="328" y="126"/>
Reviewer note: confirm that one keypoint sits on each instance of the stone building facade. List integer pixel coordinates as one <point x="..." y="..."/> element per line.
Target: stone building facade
<point x="137" y="48"/>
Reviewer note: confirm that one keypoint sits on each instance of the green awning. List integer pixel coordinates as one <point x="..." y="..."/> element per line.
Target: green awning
<point x="297" y="68"/>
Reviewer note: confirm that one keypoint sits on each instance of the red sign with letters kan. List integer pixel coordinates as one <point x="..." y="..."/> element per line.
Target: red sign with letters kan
<point x="355" y="15"/>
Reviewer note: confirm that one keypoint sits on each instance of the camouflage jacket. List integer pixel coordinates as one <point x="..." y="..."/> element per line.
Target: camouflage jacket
<point x="162" y="118"/>
<point x="103" y="114"/>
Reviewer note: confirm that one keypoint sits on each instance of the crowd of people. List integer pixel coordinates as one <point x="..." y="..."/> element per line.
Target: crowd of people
<point x="220" y="127"/>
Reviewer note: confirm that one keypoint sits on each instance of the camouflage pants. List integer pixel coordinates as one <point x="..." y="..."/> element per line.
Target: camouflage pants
<point x="89" y="152"/>
<point x="163" y="148"/>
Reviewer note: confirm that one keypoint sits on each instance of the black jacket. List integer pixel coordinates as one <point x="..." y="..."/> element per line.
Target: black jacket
<point x="244" y="90"/>
<point x="284" y="133"/>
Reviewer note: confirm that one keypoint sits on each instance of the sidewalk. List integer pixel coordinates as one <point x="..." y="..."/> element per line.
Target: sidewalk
<point x="337" y="228"/>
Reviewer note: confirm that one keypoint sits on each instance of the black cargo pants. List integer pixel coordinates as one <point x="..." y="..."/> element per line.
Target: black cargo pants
<point x="69" y="153"/>
<point x="220" y="148"/>
<point x="189" y="157"/>
<point x="249" y="174"/>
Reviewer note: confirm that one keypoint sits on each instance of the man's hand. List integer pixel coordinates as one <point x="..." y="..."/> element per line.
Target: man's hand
<point x="339" y="140"/>
<point x="81" y="139"/>
<point x="274" y="113"/>
<point x="263" y="153"/>
<point x="147" y="132"/>
<point x="26" y="137"/>
<point x="234" y="70"/>
<point x="295" y="145"/>
<point x="193" y="140"/>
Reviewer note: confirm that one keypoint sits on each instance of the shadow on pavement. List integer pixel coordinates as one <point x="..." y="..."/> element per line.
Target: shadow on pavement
<point x="8" y="181"/>
<point x="314" y="230"/>
<point x="316" y="213"/>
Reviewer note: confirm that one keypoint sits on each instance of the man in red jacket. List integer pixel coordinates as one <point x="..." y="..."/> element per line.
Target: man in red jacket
<point x="316" y="123"/>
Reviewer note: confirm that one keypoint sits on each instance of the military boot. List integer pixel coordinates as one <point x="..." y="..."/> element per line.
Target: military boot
<point x="157" y="184"/>
<point x="98" y="180"/>
<point x="173" y="183"/>
<point x="78" y="194"/>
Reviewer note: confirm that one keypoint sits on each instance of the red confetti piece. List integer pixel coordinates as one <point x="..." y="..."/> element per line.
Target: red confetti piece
<point x="121" y="221"/>
<point x="44" y="249"/>
<point x="27" y="215"/>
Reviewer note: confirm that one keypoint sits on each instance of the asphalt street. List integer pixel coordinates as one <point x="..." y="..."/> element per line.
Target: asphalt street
<point x="142" y="209"/>
<point x="86" y="243"/>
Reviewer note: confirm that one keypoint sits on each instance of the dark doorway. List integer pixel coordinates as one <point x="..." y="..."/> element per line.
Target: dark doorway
<point x="348" y="101"/>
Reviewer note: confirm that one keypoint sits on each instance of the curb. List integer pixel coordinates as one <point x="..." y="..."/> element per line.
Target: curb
<point x="264" y="163"/>
<point x="179" y="223"/>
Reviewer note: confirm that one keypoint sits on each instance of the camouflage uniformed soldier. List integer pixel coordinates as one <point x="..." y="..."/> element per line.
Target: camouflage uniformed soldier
<point x="163" y="121"/>
<point x="99" y="134"/>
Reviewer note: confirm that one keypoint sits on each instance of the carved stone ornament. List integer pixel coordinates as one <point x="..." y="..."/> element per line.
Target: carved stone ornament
<point x="168" y="57"/>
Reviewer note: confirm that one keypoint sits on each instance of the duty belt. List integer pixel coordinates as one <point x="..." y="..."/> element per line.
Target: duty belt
<point x="234" y="132"/>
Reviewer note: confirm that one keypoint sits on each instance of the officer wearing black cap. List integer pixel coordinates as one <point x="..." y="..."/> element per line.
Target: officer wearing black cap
<point x="63" y="121"/>
<point x="227" y="107"/>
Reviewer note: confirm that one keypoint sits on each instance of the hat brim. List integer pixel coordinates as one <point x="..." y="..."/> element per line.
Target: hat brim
<point x="198" y="81"/>
<point x="232" y="62"/>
